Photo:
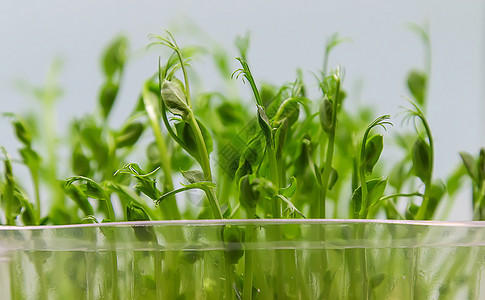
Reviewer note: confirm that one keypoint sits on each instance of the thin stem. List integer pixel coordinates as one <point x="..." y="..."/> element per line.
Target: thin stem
<point x="401" y="195"/>
<point x="273" y="169"/>
<point x="201" y="147"/>
<point x="380" y="121"/>
<point x="111" y="212"/>
<point x="330" y="148"/>
<point x="248" y="260"/>
<point x="424" y="206"/>
<point x="216" y="208"/>
<point x="363" y="182"/>
<point x="248" y="75"/>
<point x="477" y="215"/>
<point x="35" y="179"/>
<point x="184" y="69"/>
<point x="169" y="210"/>
<point x="157" y="260"/>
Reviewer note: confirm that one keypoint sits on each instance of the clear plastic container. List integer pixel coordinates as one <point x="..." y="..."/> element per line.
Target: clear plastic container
<point x="231" y="259"/>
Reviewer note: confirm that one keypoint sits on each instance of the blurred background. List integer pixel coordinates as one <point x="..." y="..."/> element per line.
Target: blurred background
<point x="284" y="34"/>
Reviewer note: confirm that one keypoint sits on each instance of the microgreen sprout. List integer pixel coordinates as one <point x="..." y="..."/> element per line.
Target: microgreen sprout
<point x="423" y="157"/>
<point x="381" y="121"/>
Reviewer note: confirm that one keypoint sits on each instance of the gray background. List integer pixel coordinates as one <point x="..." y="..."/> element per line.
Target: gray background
<point x="285" y="35"/>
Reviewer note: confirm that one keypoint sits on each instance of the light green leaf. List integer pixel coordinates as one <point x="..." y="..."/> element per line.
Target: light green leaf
<point x="193" y="176"/>
<point x="174" y="99"/>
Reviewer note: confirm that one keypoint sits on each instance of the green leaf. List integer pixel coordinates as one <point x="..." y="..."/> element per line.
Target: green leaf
<point x="95" y="191"/>
<point x="91" y="188"/>
<point x="411" y="211"/>
<point x="373" y="150"/>
<point x="202" y="185"/>
<point x="246" y="73"/>
<point x="114" y="56"/>
<point x="288" y="110"/>
<point x="376" y="280"/>
<point x="376" y="191"/>
<point x="174" y="99"/>
<point x="244" y="168"/>
<point x="129" y="135"/>
<point x="27" y="215"/>
<point x="151" y="102"/>
<point x="145" y="184"/>
<point x="481" y="165"/>
<point x="326" y="114"/>
<point x="289" y="190"/>
<point x="9" y="200"/>
<point x="107" y="97"/>
<point x="232" y="237"/>
<point x="21" y="130"/>
<point x="280" y="138"/>
<point x="454" y="181"/>
<point x="80" y="198"/>
<point x="193" y="176"/>
<point x="135" y="212"/>
<point x="265" y="125"/>
<point x="22" y="133"/>
<point x="317" y="174"/>
<point x="187" y="137"/>
<point x="230" y="113"/>
<point x="248" y="196"/>
<point x="93" y="138"/>
<point x="221" y="61"/>
<point x="470" y="165"/>
<point x="89" y="220"/>
<point x="30" y="158"/>
<point x="437" y="191"/>
<point x="416" y="82"/>
<point x="254" y="151"/>
<point x="242" y="44"/>
<point x="375" y="188"/>
<point x="291" y="207"/>
<point x="80" y="163"/>
<point x="399" y="174"/>
<point x="332" y="179"/>
<point x="422" y="160"/>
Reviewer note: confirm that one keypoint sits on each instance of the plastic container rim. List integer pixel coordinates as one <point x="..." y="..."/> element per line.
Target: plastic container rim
<point x="215" y="222"/>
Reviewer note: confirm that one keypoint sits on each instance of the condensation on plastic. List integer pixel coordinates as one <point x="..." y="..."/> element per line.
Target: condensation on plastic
<point x="207" y="259"/>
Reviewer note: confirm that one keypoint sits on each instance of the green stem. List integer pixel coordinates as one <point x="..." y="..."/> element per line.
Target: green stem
<point x="114" y="274"/>
<point x="477" y="215"/>
<point x="205" y="164"/>
<point x="216" y="208"/>
<point x="248" y="261"/>
<point x="326" y="174"/>
<point x="184" y="71"/>
<point x="363" y="182"/>
<point x="169" y="209"/>
<point x="230" y="280"/>
<point x="330" y="148"/>
<point x="35" y="179"/>
<point x="273" y="169"/>
<point x="201" y="147"/>
<point x="382" y="120"/>
<point x="401" y="195"/>
<point x="424" y="206"/>
<point x="39" y="268"/>
<point x="109" y="207"/>
<point x="158" y="272"/>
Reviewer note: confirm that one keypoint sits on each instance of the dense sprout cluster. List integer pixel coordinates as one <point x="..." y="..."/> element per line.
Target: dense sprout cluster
<point x="282" y="155"/>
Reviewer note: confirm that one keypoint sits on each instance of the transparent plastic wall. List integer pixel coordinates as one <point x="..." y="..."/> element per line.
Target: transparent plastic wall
<point x="288" y="259"/>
